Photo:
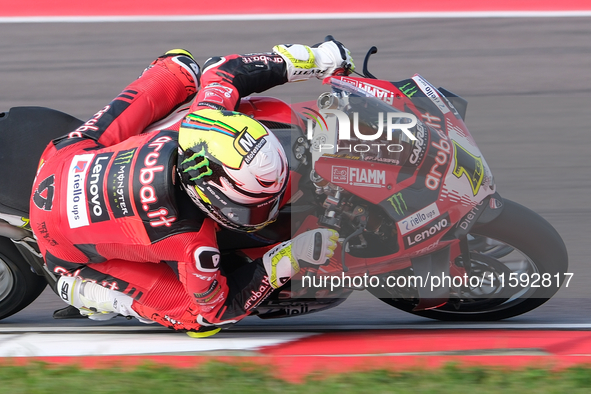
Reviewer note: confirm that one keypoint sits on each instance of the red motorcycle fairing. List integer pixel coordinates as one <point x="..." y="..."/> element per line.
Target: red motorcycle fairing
<point x="375" y="182"/>
<point x="445" y="176"/>
<point x="429" y="194"/>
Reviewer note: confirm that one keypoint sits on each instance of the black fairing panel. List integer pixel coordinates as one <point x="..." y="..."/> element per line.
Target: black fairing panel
<point x="460" y="104"/>
<point x="24" y="134"/>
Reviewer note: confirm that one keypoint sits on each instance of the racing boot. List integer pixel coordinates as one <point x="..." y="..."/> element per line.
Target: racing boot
<point x="95" y="301"/>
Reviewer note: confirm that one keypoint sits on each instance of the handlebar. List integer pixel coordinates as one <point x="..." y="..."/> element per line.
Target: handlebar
<point x="372" y="51"/>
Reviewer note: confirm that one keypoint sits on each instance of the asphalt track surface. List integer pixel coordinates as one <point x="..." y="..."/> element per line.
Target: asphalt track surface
<point x="527" y="81"/>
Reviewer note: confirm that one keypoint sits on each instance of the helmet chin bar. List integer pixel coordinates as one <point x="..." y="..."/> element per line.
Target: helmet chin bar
<point x="220" y="217"/>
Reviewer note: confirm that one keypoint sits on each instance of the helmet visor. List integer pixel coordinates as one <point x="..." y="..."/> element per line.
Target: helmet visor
<point x="251" y="217"/>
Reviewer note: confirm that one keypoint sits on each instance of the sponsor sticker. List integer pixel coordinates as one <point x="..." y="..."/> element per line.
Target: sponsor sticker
<point x="358" y="176"/>
<point x="495" y="204"/>
<point x="65" y="291"/>
<point x="385" y="95"/>
<point x="247" y="145"/>
<point x="340" y="174"/>
<point x="265" y="58"/>
<point x="420" y="145"/>
<point x="467" y="221"/>
<point x="408" y="89"/>
<point x="427" y="232"/>
<point x="97" y="206"/>
<point x="150" y="198"/>
<point x="430" y="92"/>
<point x="257" y="296"/>
<point x="118" y="184"/>
<point x="418" y="218"/>
<point x="398" y="203"/>
<point x="75" y="194"/>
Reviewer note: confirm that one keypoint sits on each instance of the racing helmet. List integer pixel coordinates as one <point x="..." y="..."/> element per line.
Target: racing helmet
<point x="232" y="167"/>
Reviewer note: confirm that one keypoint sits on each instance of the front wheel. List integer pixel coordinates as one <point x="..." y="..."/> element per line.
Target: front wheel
<point x="523" y="261"/>
<point x="19" y="285"/>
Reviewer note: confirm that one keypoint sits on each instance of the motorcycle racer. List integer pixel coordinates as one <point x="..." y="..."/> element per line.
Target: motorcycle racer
<point x="109" y="198"/>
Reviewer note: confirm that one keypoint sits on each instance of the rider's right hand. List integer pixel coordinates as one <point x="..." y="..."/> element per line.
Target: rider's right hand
<point x="314" y="247"/>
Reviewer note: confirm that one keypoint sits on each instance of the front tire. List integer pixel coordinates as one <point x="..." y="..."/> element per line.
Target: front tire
<point x="492" y="247"/>
<point x="19" y="285"/>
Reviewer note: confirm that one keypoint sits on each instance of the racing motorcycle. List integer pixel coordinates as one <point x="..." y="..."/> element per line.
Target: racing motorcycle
<point x="390" y="165"/>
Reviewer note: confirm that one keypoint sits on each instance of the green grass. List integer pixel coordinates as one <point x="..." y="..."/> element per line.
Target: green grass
<point x="216" y="377"/>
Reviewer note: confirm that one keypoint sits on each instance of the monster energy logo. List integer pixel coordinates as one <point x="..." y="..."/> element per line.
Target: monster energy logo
<point x="410" y="91"/>
<point x="124" y="157"/>
<point x="203" y="164"/>
<point x="398" y="203"/>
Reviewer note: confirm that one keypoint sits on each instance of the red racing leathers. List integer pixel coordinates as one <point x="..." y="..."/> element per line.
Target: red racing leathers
<point x="107" y="205"/>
